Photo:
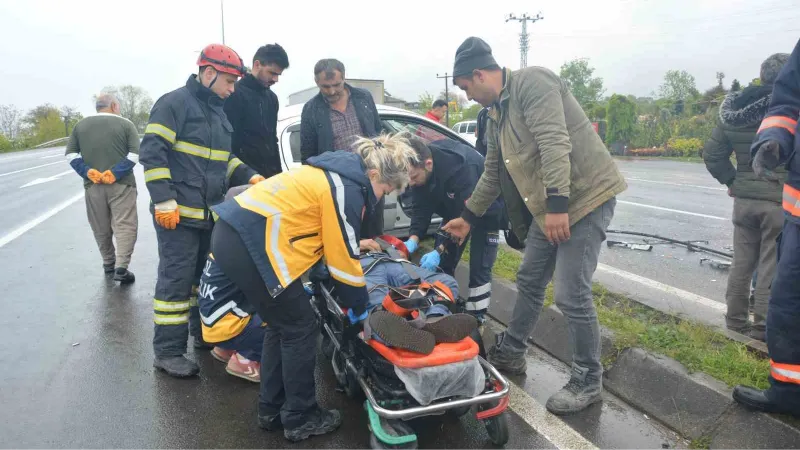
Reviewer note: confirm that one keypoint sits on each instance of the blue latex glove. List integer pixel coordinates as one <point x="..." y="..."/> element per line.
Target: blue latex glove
<point x="430" y="260"/>
<point x="411" y="245"/>
<point x="355" y="319"/>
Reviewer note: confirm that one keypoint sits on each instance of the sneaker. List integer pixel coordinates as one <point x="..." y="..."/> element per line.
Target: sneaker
<point x="502" y="361"/>
<point x="124" y="276"/>
<point x="576" y="396"/>
<point x="222" y="355"/>
<point x="109" y="268"/>
<point x="271" y="422"/>
<point x="396" y="332"/>
<point x="320" y="422"/>
<point x="244" y="368"/>
<point x="176" y="366"/>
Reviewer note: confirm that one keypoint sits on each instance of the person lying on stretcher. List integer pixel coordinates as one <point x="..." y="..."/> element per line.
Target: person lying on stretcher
<point x="409" y="307"/>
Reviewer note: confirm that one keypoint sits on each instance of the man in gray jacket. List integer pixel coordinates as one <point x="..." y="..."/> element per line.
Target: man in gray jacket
<point x="560" y="185"/>
<point x="757" y="211"/>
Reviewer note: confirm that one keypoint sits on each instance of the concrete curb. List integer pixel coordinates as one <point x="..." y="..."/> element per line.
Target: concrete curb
<point x="695" y="405"/>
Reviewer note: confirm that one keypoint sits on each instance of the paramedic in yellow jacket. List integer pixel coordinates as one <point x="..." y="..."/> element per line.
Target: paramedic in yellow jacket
<point x="271" y="234"/>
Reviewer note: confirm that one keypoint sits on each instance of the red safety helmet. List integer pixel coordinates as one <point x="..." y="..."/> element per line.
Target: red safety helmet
<point x="222" y="58"/>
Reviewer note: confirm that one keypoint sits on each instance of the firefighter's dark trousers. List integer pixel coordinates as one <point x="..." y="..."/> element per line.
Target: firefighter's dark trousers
<point x="783" y="321"/>
<point x="182" y="254"/>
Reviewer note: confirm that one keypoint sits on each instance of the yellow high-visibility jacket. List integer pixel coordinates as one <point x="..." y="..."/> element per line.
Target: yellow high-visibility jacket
<point x="291" y="220"/>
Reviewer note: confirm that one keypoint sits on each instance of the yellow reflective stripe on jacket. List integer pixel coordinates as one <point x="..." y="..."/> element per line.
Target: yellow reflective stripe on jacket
<point x="201" y="152"/>
<point x="215" y="216"/>
<point x="169" y="319"/>
<point x="192" y="213"/>
<point x="160" y="173"/>
<point x="232" y="165"/>
<point x="161" y="130"/>
<point x="273" y="231"/>
<point x="161" y="305"/>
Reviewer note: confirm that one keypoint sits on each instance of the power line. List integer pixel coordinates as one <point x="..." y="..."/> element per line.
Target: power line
<point x="523" y="35"/>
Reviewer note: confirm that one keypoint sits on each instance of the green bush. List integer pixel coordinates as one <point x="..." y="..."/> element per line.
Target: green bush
<point x="684" y="147"/>
<point x="5" y="144"/>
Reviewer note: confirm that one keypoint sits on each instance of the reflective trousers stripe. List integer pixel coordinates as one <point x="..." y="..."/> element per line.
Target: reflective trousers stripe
<point x="479" y="305"/>
<point x="161" y="305"/>
<point x="787" y="373"/>
<point x="791" y="200"/>
<point x="163" y="319"/>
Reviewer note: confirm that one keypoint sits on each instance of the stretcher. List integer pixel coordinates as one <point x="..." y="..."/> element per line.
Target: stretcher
<point x="366" y="367"/>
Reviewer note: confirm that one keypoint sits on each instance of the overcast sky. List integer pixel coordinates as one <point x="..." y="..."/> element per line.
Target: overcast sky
<point x="63" y="52"/>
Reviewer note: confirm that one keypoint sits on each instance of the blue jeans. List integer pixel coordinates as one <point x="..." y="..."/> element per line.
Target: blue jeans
<point x="250" y="341"/>
<point x="573" y="263"/>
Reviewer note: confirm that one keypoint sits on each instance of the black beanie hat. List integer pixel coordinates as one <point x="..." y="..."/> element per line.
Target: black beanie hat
<point x="473" y="54"/>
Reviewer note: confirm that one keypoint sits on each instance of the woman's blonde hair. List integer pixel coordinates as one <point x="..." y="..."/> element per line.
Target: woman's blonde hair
<point x="391" y="155"/>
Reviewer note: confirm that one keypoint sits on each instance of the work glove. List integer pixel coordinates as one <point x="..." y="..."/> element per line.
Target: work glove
<point x="167" y="214"/>
<point x="95" y="176"/>
<point x="411" y="245"/>
<point x="108" y="177"/>
<point x="355" y="319"/>
<point x="766" y="160"/>
<point x="430" y="260"/>
<point x="256" y="179"/>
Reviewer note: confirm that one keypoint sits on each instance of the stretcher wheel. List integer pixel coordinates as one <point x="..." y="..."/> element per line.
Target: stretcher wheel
<point x="497" y="428"/>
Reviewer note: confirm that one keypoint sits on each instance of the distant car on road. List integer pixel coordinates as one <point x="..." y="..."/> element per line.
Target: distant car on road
<point x="397" y="211"/>
<point x="466" y="130"/>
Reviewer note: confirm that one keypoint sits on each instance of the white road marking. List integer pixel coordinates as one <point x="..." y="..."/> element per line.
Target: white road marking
<point x="31" y="224"/>
<point x="676" y="184"/>
<point x="51" y="156"/>
<point x="684" y="295"/>
<point x="550" y="426"/>
<point x="706" y="216"/>
<point x="30" y="168"/>
<point x="46" y="180"/>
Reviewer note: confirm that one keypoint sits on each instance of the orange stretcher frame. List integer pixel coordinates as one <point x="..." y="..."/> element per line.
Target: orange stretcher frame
<point x="443" y="353"/>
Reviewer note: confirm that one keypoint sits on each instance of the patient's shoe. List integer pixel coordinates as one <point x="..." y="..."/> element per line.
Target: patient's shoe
<point x="452" y="328"/>
<point x="396" y="332"/>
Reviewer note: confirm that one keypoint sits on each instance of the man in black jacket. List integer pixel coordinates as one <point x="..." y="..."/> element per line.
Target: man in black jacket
<point x="252" y="109"/>
<point x="442" y="182"/>
<point x="335" y="118"/>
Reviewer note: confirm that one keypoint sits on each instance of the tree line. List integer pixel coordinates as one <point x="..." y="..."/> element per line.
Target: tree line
<point x="675" y="121"/>
<point x="44" y="123"/>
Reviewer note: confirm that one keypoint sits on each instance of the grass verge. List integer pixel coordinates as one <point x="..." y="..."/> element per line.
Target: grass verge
<point x="698" y="347"/>
<point x="691" y="159"/>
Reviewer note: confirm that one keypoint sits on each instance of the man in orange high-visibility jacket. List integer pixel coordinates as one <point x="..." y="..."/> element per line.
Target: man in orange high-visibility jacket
<point x="777" y="143"/>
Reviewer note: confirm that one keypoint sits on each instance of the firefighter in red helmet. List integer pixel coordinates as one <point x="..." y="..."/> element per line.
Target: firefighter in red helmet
<point x="188" y="167"/>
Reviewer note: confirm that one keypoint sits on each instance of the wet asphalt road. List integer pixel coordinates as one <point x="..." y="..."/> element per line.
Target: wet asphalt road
<point x="76" y="364"/>
<point x="686" y="189"/>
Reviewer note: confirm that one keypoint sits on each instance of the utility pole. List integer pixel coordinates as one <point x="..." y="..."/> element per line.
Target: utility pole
<point x="446" y="98"/>
<point x="523" y="36"/>
<point x="222" y="11"/>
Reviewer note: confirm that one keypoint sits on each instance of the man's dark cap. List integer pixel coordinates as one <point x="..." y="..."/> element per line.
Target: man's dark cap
<point x="473" y="54"/>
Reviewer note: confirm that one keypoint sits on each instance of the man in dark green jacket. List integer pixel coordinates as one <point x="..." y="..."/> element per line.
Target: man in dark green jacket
<point x="559" y="184"/>
<point x="757" y="212"/>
